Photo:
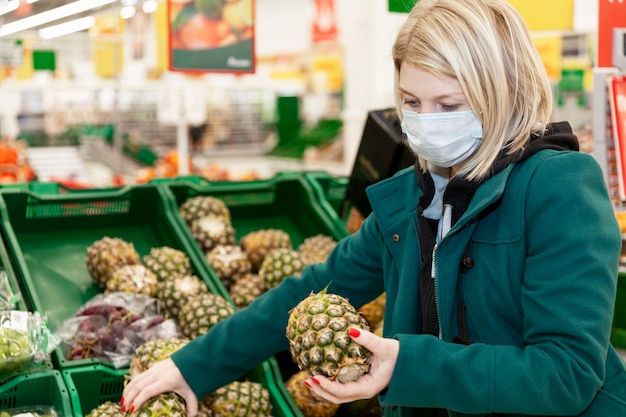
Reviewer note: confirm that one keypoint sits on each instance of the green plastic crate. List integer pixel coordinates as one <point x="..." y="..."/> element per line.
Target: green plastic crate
<point x="48" y="236"/>
<point x="330" y="190"/>
<point x="41" y="389"/>
<point x="286" y="201"/>
<point x="90" y="386"/>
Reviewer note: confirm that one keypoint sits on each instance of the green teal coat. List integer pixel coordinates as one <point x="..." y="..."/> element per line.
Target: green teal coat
<point x="545" y="244"/>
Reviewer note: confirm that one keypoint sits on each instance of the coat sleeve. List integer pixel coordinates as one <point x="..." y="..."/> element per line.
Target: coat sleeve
<point x="255" y="333"/>
<point x="568" y="289"/>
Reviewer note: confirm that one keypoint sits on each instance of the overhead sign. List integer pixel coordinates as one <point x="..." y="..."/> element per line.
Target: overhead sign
<point x="211" y="35"/>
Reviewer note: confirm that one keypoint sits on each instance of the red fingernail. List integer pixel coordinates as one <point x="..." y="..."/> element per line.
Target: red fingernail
<point x="132" y="408"/>
<point x="354" y="332"/>
<point x="307" y="384"/>
<point x="122" y="400"/>
<point x="123" y="408"/>
<point x="315" y="380"/>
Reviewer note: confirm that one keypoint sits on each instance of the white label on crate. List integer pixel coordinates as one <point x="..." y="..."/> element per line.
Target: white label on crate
<point x="19" y="321"/>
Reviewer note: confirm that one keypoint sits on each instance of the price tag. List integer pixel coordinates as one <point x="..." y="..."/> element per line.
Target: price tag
<point x="19" y="321"/>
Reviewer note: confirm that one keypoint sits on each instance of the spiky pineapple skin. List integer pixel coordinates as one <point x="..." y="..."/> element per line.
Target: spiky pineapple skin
<point x="174" y="292"/>
<point x="258" y="243"/>
<point x="167" y="262"/>
<point x="240" y="399"/>
<point x="229" y="262"/>
<point x="374" y="311"/>
<point x="106" y="409"/>
<point x="133" y="278"/>
<point x="317" y="330"/>
<point x="153" y="351"/>
<point x="202" y="312"/>
<point x="315" y="249"/>
<point x="106" y="255"/>
<point x="162" y="405"/>
<point x="311" y="404"/>
<point x="211" y="231"/>
<point x="200" y="206"/>
<point x="278" y="264"/>
<point x="247" y="289"/>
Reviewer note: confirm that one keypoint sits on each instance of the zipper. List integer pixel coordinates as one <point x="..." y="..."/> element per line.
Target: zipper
<point x="433" y="274"/>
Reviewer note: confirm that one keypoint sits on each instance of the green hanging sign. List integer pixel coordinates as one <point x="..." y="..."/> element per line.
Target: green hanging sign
<point x="401" y="6"/>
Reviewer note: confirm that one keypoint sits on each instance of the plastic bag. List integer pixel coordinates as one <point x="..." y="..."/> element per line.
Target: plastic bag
<point x="111" y="326"/>
<point x="25" y="340"/>
<point x="8" y="298"/>
<point x="30" y="411"/>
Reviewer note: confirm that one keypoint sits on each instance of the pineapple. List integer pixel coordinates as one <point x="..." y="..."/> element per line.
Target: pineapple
<point x="374" y="311"/>
<point x="106" y="255"/>
<point x="259" y="242"/>
<point x="211" y="231"/>
<point x="106" y="409"/>
<point x="133" y="278"/>
<point x="162" y="405"/>
<point x="311" y="404"/>
<point x="201" y="206"/>
<point x="278" y="264"/>
<point x="246" y="289"/>
<point x="315" y="249"/>
<point x="174" y="292"/>
<point x="201" y="312"/>
<point x="167" y="262"/>
<point x="317" y="330"/>
<point x="153" y="351"/>
<point x="229" y="262"/>
<point x="240" y="398"/>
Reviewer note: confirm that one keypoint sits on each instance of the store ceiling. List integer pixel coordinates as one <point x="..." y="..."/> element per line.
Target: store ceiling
<point x="39" y="6"/>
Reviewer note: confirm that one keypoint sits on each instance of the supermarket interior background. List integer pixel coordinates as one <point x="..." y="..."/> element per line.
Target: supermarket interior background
<point x="116" y="113"/>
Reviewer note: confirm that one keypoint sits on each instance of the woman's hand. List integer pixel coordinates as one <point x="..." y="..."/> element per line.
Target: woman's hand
<point x="384" y="356"/>
<point x="160" y="378"/>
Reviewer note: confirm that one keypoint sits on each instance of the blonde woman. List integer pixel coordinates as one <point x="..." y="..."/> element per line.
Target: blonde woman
<point x="498" y="252"/>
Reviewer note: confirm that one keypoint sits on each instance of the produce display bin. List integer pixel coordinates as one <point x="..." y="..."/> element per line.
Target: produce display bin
<point x="286" y="201"/>
<point x="48" y="236"/>
<point x="330" y="190"/>
<point x="90" y="386"/>
<point x="39" y="391"/>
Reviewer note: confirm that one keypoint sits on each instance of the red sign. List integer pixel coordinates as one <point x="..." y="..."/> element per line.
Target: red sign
<point x="617" y="89"/>
<point x="611" y="14"/>
<point x="325" y="21"/>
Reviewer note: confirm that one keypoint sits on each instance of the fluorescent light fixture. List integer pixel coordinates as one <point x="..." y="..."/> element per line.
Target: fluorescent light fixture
<point x="60" y="12"/>
<point x="31" y="1"/>
<point x="66" y="28"/>
<point x="9" y="6"/>
<point x="149" y="6"/>
<point x="127" y="12"/>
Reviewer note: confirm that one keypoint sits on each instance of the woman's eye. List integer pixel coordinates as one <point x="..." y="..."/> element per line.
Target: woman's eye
<point x="411" y="103"/>
<point x="449" y="107"/>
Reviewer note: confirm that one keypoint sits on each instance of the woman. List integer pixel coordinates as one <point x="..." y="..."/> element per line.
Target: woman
<point x="498" y="253"/>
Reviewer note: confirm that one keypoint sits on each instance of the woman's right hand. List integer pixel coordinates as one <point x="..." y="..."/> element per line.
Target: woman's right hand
<point x="162" y="377"/>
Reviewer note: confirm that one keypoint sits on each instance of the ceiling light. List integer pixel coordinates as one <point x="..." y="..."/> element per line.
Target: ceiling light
<point x="66" y="28"/>
<point x="60" y="12"/>
<point x="9" y="6"/>
<point x="127" y="12"/>
<point x="31" y="1"/>
<point x="149" y="6"/>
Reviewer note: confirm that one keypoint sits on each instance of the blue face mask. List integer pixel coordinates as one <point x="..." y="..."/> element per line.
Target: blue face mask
<point x="443" y="139"/>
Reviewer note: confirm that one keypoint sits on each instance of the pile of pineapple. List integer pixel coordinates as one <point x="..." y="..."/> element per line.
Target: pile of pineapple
<point x="238" y="398"/>
<point x="166" y="274"/>
<point x="259" y="261"/>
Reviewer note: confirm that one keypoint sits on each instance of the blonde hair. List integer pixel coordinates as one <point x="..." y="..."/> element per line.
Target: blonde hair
<point x="486" y="46"/>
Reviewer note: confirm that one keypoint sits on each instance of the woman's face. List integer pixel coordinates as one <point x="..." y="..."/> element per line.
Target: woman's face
<point x="423" y="92"/>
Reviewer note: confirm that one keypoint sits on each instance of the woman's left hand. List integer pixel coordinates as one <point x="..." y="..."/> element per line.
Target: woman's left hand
<point x="384" y="356"/>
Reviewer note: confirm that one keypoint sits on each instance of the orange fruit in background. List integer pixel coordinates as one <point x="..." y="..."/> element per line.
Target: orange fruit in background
<point x="200" y="32"/>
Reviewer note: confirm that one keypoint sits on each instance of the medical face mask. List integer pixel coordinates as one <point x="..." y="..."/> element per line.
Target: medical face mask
<point x="443" y="139"/>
